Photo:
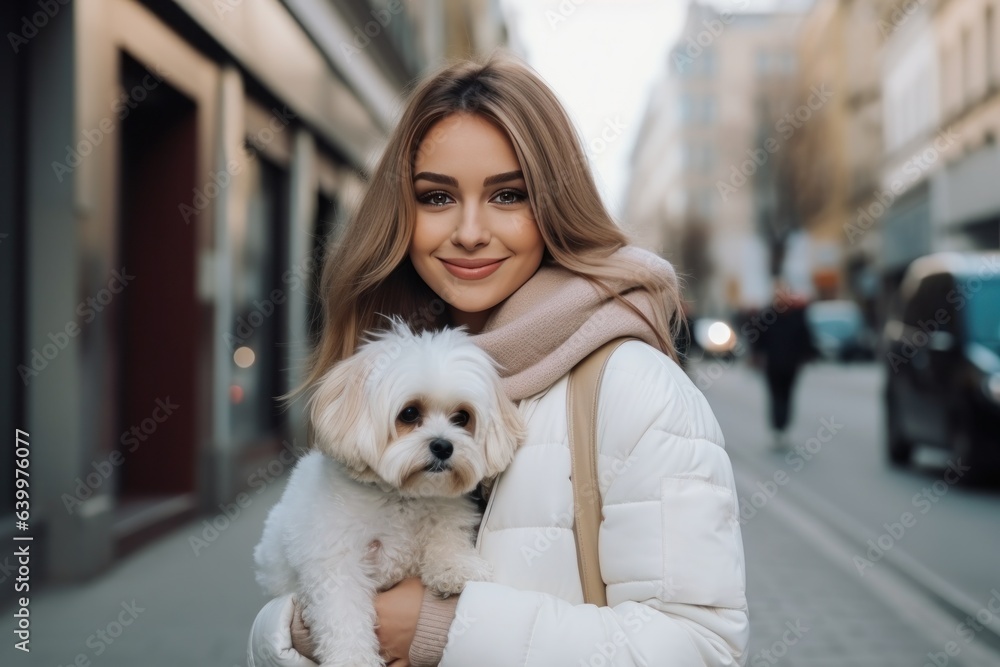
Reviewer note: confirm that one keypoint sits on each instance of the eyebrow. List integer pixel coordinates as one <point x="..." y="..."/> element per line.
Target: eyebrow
<point x="503" y="178"/>
<point x="488" y="181"/>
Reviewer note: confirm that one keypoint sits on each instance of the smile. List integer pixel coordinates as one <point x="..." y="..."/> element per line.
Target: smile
<point x="476" y="273"/>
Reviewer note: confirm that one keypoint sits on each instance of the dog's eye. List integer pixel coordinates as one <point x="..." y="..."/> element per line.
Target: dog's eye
<point x="409" y="415"/>
<point x="460" y="418"/>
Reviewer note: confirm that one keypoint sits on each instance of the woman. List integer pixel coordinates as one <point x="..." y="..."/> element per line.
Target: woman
<point x="483" y="212"/>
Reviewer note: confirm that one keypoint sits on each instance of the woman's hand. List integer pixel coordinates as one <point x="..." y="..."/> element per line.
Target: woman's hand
<point x="301" y="639"/>
<point x="397" y="611"/>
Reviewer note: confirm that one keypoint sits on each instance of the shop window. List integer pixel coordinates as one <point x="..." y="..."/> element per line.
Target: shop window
<point x="258" y="342"/>
<point x="327" y="212"/>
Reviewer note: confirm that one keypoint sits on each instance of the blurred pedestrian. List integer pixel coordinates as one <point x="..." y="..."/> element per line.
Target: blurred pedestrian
<point x="784" y="344"/>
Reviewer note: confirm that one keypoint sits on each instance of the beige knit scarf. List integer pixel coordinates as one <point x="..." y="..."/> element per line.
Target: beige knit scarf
<point x="557" y="318"/>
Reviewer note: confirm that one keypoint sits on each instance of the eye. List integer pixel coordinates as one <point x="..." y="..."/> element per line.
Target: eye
<point x="409" y="415"/>
<point x="460" y="418"/>
<point x="509" y="197"/>
<point x="435" y="198"/>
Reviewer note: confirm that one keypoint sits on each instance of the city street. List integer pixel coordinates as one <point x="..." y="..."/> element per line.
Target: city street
<point x="190" y="598"/>
<point x="209" y="205"/>
<point x="833" y="491"/>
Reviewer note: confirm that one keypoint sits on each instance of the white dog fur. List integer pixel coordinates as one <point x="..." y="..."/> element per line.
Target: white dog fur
<point x="373" y="504"/>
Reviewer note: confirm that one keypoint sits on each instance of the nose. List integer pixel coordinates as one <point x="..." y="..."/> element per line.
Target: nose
<point x="441" y="448"/>
<point x="471" y="233"/>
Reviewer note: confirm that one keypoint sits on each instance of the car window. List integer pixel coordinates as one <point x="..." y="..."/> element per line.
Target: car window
<point x="927" y="301"/>
<point x="942" y="306"/>
<point x="982" y="318"/>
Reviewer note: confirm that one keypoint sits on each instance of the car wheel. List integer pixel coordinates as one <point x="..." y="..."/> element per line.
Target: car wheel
<point x="970" y="452"/>
<point x="898" y="448"/>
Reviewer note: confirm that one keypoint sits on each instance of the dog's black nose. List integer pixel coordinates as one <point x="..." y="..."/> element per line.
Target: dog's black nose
<point x="441" y="448"/>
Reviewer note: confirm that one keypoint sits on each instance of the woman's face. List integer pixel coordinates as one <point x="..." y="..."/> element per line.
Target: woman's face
<point x="472" y="209"/>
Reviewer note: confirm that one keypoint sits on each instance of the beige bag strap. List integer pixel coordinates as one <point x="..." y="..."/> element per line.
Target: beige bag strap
<point x="581" y="408"/>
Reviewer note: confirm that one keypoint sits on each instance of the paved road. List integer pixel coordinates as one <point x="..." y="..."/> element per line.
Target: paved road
<point x="841" y="489"/>
<point x="955" y="531"/>
<point x="792" y="584"/>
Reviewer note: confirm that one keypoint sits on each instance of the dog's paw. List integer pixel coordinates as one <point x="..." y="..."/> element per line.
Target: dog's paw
<point x="451" y="579"/>
<point x="444" y="586"/>
<point x="479" y="569"/>
<point x="349" y="642"/>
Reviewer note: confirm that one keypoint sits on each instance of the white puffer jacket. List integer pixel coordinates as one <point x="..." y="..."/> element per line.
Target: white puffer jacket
<point x="671" y="551"/>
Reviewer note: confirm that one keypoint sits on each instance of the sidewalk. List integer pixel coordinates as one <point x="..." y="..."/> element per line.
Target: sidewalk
<point x="163" y="606"/>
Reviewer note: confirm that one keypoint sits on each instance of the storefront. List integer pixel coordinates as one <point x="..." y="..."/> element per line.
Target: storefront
<point x="966" y="202"/>
<point x="173" y="172"/>
<point x="906" y="235"/>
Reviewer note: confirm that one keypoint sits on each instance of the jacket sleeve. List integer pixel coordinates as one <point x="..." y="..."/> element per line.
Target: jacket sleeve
<point x="270" y="642"/>
<point x="671" y="551"/>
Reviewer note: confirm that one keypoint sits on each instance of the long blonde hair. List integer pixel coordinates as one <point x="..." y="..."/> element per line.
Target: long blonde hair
<point x="367" y="271"/>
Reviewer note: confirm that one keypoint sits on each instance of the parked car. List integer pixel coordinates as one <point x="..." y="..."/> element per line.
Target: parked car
<point x="839" y="330"/>
<point x="942" y="351"/>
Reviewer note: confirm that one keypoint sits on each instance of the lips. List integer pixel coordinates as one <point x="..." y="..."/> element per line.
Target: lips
<point x="470" y="270"/>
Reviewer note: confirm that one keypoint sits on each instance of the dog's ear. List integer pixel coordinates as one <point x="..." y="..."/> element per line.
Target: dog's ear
<point x="343" y="423"/>
<point x="505" y="432"/>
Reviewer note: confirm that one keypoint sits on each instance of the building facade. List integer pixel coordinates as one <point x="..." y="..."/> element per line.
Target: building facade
<point x="837" y="155"/>
<point x="941" y="83"/>
<point x="172" y="171"/>
<point x="704" y="172"/>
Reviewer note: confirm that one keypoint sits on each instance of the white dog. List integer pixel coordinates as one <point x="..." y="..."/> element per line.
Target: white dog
<point x="404" y="429"/>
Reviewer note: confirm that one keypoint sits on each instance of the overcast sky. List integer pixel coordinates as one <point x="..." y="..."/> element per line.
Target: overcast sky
<point x="601" y="56"/>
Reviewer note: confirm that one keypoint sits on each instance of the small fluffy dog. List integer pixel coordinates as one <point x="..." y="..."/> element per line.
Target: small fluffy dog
<point x="403" y="430"/>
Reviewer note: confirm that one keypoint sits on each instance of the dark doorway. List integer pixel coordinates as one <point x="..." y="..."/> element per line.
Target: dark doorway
<point x="327" y="212"/>
<point x="159" y="317"/>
